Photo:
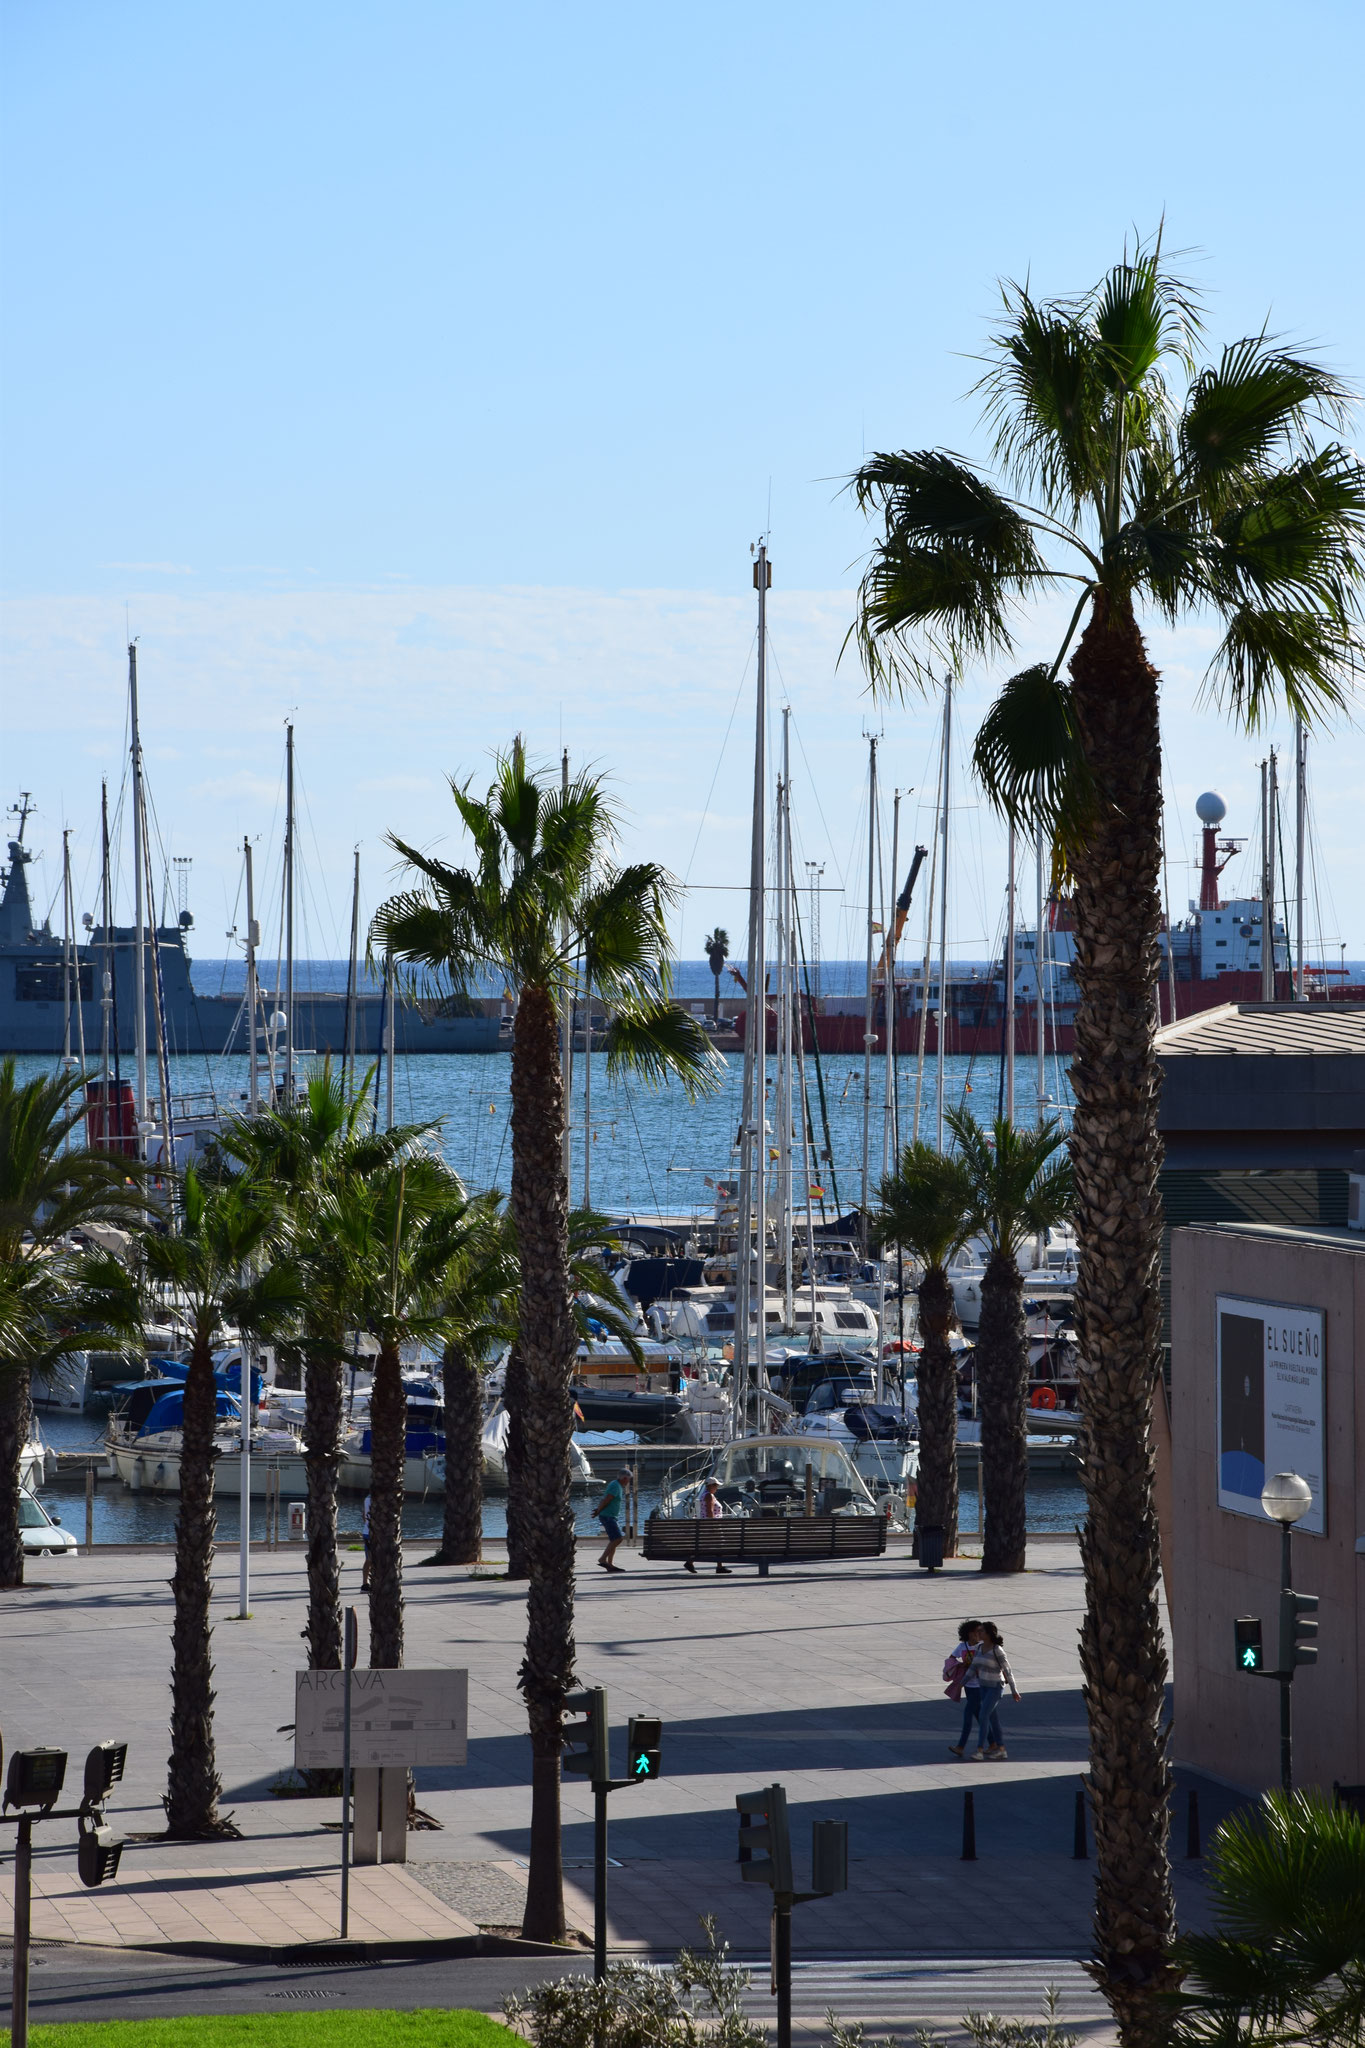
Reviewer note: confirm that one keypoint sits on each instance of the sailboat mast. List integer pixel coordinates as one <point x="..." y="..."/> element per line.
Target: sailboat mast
<point x="784" y="1021"/>
<point x="107" y="974"/>
<point x="66" y="949"/>
<point x="943" y="906"/>
<point x="751" y="1177"/>
<point x="868" y="998"/>
<point x="352" y="976"/>
<point x="139" y="916"/>
<point x="889" y="1103"/>
<point x="1300" y="834"/>
<point x="252" y="941"/>
<point x="1040" y="1050"/>
<point x="289" y="913"/>
<point x="388" y="1033"/>
<point x="1009" y="989"/>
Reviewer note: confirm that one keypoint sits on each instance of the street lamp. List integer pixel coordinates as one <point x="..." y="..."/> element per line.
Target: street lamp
<point x="1286" y="1499"/>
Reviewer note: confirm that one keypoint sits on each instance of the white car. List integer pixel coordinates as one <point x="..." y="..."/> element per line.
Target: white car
<point x="40" y="1535"/>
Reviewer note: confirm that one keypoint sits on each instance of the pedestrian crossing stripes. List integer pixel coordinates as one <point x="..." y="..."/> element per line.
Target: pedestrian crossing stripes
<point x="892" y="1994"/>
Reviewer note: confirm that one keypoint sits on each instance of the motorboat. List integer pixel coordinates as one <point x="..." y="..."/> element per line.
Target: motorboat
<point x="63" y="1385"/>
<point x="496" y="1431"/>
<point x="32" y="1462"/>
<point x="773" y="1475"/>
<point x="878" y="1436"/>
<point x="144" y="1440"/>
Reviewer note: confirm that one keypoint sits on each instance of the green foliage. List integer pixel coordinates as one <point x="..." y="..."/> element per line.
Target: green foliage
<point x="1287" y="1963"/>
<point x="927" y="1205"/>
<point x="1021" y="1179"/>
<point x="1130" y="467"/>
<point x="983" y="2030"/>
<point x="697" y="2002"/>
<point x="228" y="1261"/>
<point x="543" y="904"/>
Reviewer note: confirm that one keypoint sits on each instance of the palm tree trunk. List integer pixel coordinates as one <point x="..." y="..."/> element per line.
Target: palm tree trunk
<point x="936" y="1499"/>
<point x="388" y="1447"/>
<point x="540" y="1211"/>
<point x="1002" y="1382"/>
<point x="715" y="1002"/>
<point x="192" y="1781"/>
<point x="462" y="1517"/>
<point x="322" y="1456"/>
<point x="514" y="1398"/>
<point x="1117" y="1155"/>
<point x="14" y="1425"/>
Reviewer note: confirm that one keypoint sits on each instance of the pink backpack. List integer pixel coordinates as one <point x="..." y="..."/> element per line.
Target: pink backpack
<point x="955" y="1670"/>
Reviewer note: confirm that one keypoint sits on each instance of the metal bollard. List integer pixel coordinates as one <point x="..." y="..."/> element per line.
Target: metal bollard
<point x="1192" y="1848"/>
<point x="89" y="1508"/>
<point x="1079" y="1847"/>
<point x="969" y="1827"/>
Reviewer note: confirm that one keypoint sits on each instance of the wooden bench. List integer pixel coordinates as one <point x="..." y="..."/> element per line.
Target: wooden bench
<point x="764" y="1539"/>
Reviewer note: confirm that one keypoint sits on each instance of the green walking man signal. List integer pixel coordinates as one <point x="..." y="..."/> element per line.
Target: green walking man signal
<point x="644" y="1738"/>
<point x="1250" y="1655"/>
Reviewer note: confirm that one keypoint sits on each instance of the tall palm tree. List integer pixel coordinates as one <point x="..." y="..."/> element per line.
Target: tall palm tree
<point x="224" y="1230"/>
<point x="1020" y="1187"/>
<point x="717" y="944"/>
<point x="926" y="1206"/>
<point x="542" y="892"/>
<point x="1133" y="473"/>
<point x="57" y="1298"/>
<point x="391" y="1238"/>
<point x="300" y="1149"/>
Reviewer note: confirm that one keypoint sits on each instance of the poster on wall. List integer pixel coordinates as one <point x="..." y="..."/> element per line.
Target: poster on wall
<point x="1270" y="1403"/>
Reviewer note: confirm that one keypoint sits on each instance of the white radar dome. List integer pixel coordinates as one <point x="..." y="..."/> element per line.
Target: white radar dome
<point x="1210" y="808"/>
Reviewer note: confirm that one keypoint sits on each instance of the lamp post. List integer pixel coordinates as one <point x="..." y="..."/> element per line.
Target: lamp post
<point x="1286" y="1498"/>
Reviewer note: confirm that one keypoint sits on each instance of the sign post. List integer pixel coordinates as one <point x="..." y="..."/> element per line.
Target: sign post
<point x="348" y="1659"/>
<point x="366" y="1722"/>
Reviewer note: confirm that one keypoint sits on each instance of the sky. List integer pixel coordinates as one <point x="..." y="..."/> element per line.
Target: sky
<point x="424" y="374"/>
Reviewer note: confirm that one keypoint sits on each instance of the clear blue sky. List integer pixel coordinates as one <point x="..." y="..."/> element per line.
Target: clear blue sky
<point x="329" y="328"/>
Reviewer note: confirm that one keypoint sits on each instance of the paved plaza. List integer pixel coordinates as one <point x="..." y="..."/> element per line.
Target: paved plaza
<point x="825" y="1680"/>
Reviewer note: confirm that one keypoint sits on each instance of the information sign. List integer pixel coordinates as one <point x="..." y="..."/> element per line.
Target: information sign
<point x="1270" y="1403"/>
<point x="397" y="1717"/>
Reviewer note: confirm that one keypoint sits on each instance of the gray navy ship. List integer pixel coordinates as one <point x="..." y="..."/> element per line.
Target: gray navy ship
<point x="39" y="973"/>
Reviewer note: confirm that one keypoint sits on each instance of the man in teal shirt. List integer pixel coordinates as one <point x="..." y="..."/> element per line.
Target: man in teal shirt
<point x="608" y="1513"/>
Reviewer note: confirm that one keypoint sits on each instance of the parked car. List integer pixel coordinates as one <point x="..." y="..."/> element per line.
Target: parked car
<point x="41" y="1533"/>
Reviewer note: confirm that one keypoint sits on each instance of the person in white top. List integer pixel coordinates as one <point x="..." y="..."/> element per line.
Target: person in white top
<point x="990" y="1670"/>
<point x="710" y="1508"/>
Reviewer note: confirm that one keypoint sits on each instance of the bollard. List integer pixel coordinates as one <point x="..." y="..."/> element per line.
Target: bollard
<point x="1192" y="1849"/>
<point x="1079" y="1848"/>
<point x="969" y="1827"/>
<point x="89" y="1509"/>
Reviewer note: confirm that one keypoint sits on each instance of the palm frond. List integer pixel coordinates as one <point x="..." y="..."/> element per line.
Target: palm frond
<point x="1045" y="397"/>
<point x="658" y="1043"/>
<point x="952" y="558"/>
<point x="1029" y="760"/>
<point x="926" y="1205"/>
<point x="1270" y="655"/>
<point x="1256" y="406"/>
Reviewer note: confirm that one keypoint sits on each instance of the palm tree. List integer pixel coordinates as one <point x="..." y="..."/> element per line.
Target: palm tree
<point x="926" y="1205"/>
<point x="1287" y="1962"/>
<point x="300" y="1149"/>
<point x="57" y="1298"/>
<point x="223" y="1230"/>
<point x="541" y="894"/>
<point x="1131" y="472"/>
<point x="1020" y="1187"/>
<point x="717" y="944"/>
<point x="391" y="1238"/>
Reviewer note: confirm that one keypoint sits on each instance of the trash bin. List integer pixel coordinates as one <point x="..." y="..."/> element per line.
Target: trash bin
<point x="297" y="1521"/>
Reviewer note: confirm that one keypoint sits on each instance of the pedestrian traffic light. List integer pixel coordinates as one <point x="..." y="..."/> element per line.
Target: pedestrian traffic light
<point x="1298" y="1629"/>
<point x="763" y="1826"/>
<point x="1250" y="1656"/>
<point x="98" y="1850"/>
<point x="643" y="1741"/>
<point x="589" y="1759"/>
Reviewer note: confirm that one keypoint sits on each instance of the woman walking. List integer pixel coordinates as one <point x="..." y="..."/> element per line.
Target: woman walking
<point x="991" y="1671"/>
<point x="962" y="1686"/>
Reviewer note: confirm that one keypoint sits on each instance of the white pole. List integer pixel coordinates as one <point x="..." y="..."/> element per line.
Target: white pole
<point x="785" y="979"/>
<point x="139" y="915"/>
<point x="760" y="987"/>
<point x="868" y="1033"/>
<point x="1040" y="1054"/>
<point x="289" y="916"/>
<point x="943" y="906"/>
<point x="253" y="939"/>
<point x="888" y="1105"/>
<point x="244" y="1526"/>
<point x="66" y="956"/>
<point x="566" y="1019"/>
<point x="755" y="1030"/>
<point x="1300" y="833"/>
<point x="1009" y="992"/>
<point x="388" y="1033"/>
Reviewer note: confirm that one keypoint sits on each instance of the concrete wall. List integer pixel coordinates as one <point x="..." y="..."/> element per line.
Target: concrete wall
<point x="1224" y="1564"/>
